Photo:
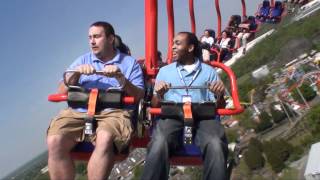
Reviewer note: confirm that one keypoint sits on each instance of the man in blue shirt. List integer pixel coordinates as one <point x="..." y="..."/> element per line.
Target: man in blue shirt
<point x="188" y="70"/>
<point x="113" y="125"/>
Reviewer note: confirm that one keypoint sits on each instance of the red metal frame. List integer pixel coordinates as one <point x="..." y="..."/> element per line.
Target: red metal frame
<point x="85" y="156"/>
<point x="128" y="100"/>
<point x="234" y="91"/>
<point x="272" y="3"/>
<point x="151" y="38"/>
<point x="170" y="14"/>
<point x="192" y="18"/>
<point x="215" y="50"/>
<point x="244" y="11"/>
<point x="219" y="18"/>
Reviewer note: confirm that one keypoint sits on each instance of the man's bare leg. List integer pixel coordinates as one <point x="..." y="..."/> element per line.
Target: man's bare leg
<point x="60" y="164"/>
<point x="102" y="158"/>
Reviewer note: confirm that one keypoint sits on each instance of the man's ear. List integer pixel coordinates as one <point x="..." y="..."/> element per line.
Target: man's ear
<point x="191" y="48"/>
<point x="111" y="39"/>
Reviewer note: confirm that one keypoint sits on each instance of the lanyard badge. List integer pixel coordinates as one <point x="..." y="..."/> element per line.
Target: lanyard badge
<point x="186" y="98"/>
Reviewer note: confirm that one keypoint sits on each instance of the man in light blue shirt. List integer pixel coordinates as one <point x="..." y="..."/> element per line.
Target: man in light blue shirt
<point x="187" y="71"/>
<point x="179" y="75"/>
<point x="113" y="125"/>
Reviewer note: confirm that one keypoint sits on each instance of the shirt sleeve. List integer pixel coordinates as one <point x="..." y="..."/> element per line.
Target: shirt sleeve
<point x="160" y="77"/>
<point x="136" y="76"/>
<point x="73" y="66"/>
<point x="79" y="61"/>
<point x="211" y="41"/>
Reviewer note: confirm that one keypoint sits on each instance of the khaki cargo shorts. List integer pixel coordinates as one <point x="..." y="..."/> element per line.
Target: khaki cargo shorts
<point x="71" y="123"/>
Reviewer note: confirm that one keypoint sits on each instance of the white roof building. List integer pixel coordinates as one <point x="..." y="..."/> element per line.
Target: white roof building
<point x="313" y="165"/>
<point x="261" y="72"/>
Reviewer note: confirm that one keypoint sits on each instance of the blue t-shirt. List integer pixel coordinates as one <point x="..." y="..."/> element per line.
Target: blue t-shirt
<point x="127" y="64"/>
<point x="200" y="76"/>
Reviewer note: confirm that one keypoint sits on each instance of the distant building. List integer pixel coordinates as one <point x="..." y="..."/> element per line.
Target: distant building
<point x="313" y="166"/>
<point x="44" y="170"/>
<point x="307" y="10"/>
<point x="261" y="72"/>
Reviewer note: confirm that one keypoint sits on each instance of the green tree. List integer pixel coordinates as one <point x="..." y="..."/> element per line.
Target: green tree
<point x="255" y="142"/>
<point x="265" y="122"/>
<point x="307" y="92"/>
<point x="313" y="119"/>
<point x="289" y="174"/>
<point x="81" y="168"/>
<point x="277" y="115"/>
<point x="137" y="172"/>
<point x="307" y="68"/>
<point x="277" y="152"/>
<point x="253" y="158"/>
<point x="246" y="120"/>
<point x="194" y="172"/>
<point x="245" y="85"/>
<point x="232" y="135"/>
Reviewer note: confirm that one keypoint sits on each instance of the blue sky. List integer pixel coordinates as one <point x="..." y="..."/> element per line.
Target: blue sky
<point x="40" y="38"/>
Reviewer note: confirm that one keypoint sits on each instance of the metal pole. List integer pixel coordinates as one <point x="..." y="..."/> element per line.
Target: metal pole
<point x="219" y="18"/>
<point x="151" y="40"/>
<point x="192" y="18"/>
<point x="170" y="14"/>
<point x="284" y="108"/>
<point x="244" y="11"/>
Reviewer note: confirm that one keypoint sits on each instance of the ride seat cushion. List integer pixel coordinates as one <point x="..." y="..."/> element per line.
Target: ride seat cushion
<point x="276" y="12"/>
<point x="264" y="11"/>
<point x="71" y="123"/>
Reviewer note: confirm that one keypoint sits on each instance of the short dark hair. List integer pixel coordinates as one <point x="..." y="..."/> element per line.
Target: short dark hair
<point x="228" y="33"/>
<point x="211" y="32"/>
<point x="193" y="40"/>
<point x="108" y="29"/>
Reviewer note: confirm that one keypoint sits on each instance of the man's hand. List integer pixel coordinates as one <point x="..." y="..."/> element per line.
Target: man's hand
<point x="112" y="71"/>
<point x="86" y="69"/>
<point x="161" y="87"/>
<point x="217" y="88"/>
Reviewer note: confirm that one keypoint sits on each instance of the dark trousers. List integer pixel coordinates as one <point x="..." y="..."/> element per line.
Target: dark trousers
<point x="166" y="138"/>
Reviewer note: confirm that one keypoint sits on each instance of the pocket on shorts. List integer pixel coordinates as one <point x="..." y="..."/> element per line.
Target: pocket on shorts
<point x="126" y="131"/>
<point x="57" y="126"/>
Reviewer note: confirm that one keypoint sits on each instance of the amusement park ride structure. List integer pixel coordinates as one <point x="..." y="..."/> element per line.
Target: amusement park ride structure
<point x="83" y="150"/>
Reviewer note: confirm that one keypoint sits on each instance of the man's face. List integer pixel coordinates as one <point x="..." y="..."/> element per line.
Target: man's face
<point x="181" y="48"/>
<point x="98" y="41"/>
<point x="206" y="33"/>
<point x="224" y="35"/>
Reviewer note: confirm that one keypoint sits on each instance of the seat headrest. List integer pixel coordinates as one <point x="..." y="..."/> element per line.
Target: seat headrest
<point x="266" y="3"/>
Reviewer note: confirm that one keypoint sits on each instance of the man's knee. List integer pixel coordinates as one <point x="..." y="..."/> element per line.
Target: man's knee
<point x="214" y="145"/>
<point x="104" y="141"/>
<point x="58" y="144"/>
<point x="164" y="137"/>
<point x="159" y="143"/>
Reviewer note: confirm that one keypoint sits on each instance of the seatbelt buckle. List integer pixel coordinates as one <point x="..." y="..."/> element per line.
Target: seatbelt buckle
<point x="187" y="135"/>
<point x="89" y="128"/>
<point x="188" y="123"/>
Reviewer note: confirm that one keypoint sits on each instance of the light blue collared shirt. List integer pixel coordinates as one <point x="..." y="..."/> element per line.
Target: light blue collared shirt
<point x="127" y="64"/>
<point x="200" y="76"/>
